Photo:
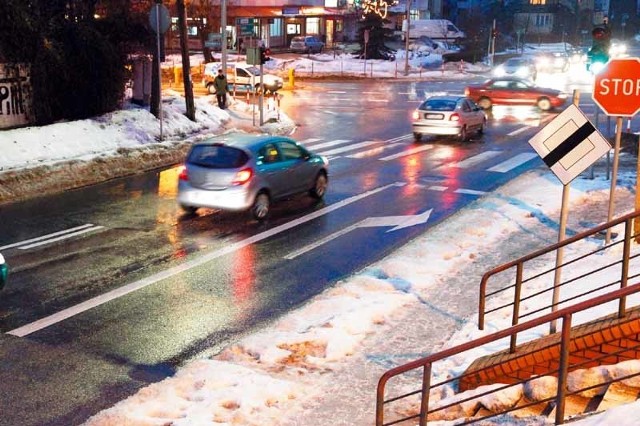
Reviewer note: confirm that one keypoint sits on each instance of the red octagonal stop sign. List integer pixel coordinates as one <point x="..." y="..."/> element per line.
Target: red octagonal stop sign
<point x="617" y="87"/>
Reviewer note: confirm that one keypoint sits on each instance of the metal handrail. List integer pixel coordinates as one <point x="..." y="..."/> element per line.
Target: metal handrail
<point x="520" y="263"/>
<point x="427" y="362"/>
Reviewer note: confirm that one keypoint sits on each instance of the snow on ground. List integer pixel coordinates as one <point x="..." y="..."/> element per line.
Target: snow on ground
<point x="266" y="375"/>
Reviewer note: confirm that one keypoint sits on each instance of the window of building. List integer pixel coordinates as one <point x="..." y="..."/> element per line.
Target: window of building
<point x="313" y="25"/>
<point x="275" y="29"/>
<point x="538" y="2"/>
<point x="543" y="20"/>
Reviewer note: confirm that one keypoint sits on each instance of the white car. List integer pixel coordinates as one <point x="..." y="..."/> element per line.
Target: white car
<point x="448" y="116"/>
<point x="243" y="76"/>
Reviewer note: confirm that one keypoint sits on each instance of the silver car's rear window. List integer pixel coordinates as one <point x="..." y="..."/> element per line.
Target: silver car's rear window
<point x="217" y="157"/>
<point x="439" y="105"/>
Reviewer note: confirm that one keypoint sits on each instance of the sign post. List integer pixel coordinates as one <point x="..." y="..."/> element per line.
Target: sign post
<point x="569" y="144"/>
<point x="616" y="89"/>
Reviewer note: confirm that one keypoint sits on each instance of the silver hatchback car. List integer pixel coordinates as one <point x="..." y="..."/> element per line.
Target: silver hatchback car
<point x="448" y="115"/>
<point x="241" y="172"/>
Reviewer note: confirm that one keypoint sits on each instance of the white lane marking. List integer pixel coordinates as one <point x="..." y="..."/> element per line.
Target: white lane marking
<point x="336" y="92"/>
<point x="373" y="151"/>
<point x="398" y="222"/>
<point x="44" y="237"/>
<point x="520" y="130"/>
<point x="438" y="188"/>
<point x="372" y="93"/>
<point x="400" y="138"/>
<point x="130" y="288"/>
<point x="326" y="111"/>
<point x="310" y="140"/>
<point x="330" y="143"/>
<point x="62" y="237"/>
<point x="472" y="161"/>
<point x="512" y="163"/>
<point x="406" y="153"/>
<point x="469" y="191"/>
<point x="348" y="148"/>
<point x="377" y="100"/>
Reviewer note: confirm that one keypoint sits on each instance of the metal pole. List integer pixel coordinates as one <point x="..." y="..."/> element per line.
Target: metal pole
<point x="406" y="41"/>
<point x="223" y="31"/>
<point x="260" y="100"/>
<point x="636" y="221"/>
<point x="614" y="177"/>
<point x="563" y="369"/>
<point x="159" y="66"/>
<point x="564" y="214"/>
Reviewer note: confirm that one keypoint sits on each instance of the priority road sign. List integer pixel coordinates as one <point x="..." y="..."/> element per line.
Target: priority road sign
<point x="569" y="144"/>
<point x="616" y="89"/>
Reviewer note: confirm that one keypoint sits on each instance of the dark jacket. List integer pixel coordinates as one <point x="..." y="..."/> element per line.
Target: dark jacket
<point x="220" y="84"/>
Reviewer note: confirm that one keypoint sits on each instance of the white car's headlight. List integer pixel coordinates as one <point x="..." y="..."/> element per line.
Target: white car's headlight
<point x="523" y="71"/>
<point x="499" y="72"/>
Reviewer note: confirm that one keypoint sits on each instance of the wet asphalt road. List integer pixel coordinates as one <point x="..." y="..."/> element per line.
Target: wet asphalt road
<point x="194" y="284"/>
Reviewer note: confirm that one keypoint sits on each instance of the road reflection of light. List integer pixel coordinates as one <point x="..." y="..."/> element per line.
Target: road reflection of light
<point x="443" y="153"/>
<point x="513" y="113"/>
<point x="168" y="182"/>
<point x="244" y="273"/>
<point x="168" y="213"/>
<point x="411" y="171"/>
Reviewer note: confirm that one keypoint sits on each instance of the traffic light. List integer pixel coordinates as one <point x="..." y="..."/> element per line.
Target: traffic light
<point x="601" y="42"/>
<point x="264" y="55"/>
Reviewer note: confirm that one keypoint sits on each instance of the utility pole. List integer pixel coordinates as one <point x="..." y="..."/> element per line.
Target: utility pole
<point x="186" y="67"/>
<point x="406" y="40"/>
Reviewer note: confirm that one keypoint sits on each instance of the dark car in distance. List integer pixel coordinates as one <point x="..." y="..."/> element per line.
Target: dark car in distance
<point x="514" y="91"/>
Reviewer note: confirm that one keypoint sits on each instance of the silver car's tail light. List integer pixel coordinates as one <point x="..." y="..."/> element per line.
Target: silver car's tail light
<point x="454" y="117"/>
<point x="415" y="115"/>
<point x="183" y="174"/>
<point x="242" y="177"/>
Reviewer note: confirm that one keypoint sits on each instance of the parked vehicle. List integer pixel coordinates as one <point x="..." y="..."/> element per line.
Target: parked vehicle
<point x="243" y="76"/>
<point x="4" y="271"/>
<point x="436" y="29"/>
<point x="306" y="44"/>
<point x="240" y="172"/>
<point x="448" y="115"/>
<point x="514" y="91"/>
<point x="517" y="67"/>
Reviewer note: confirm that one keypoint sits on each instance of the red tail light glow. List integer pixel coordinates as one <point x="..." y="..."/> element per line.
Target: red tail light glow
<point x="415" y="115"/>
<point x="454" y="117"/>
<point x="182" y="173"/>
<point x="242" y="177"/>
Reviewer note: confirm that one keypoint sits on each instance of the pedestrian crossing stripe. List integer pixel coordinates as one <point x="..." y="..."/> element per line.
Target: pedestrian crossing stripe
<point x="569" y="144"/>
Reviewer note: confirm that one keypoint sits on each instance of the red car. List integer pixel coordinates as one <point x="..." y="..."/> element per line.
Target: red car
<point x="514" y="91"/>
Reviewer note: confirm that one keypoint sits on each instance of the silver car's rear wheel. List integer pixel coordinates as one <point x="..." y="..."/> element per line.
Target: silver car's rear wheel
<point x="188" y="209"/>
<point x="417" y="136"/>
<point x="462" y="136"/>
<point x="320" y="186"/>
<point x="260" y="208"/>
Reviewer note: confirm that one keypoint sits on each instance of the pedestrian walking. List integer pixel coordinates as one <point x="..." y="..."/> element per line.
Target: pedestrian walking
<point x="220" y="84"/>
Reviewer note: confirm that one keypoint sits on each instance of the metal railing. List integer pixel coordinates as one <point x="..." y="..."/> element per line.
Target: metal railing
<point x="623" y="268"/>
<point x="405" y="402"/>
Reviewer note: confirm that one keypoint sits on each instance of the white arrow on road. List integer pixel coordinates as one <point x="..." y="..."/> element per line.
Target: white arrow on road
<point x="398" y="222"/>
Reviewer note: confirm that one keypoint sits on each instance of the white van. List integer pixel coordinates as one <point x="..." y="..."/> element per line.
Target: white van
<point x="243" y="76"/>
<point x="435" y="29"/>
